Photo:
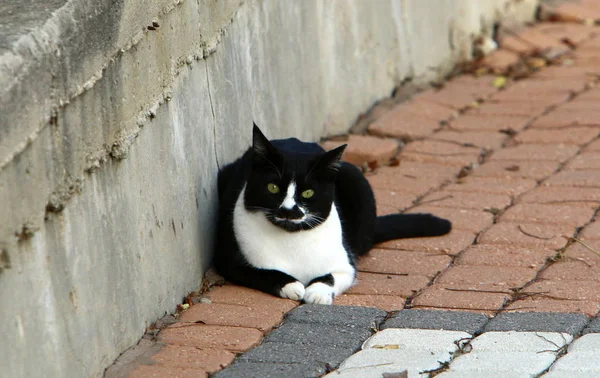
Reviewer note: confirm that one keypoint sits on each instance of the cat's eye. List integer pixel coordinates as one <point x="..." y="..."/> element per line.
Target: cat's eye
<point x="308" y="193"/>
<point x="272" y="188"/>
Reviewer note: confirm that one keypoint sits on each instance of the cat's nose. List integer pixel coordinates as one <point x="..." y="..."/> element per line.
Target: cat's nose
<point x="293" y="213"/>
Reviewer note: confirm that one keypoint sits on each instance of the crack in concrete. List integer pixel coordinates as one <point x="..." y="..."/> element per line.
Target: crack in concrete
<point x="212" y="109"/>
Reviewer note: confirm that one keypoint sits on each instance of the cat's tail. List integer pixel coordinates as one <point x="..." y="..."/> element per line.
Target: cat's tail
<point x="400" y="226"/>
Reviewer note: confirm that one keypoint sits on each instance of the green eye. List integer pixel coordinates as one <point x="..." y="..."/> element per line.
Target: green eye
<point x="273" y="188"/>
<point x="308" y="193"/>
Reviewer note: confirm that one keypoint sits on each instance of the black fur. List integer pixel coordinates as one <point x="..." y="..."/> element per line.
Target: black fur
<point x="313" y="168"/>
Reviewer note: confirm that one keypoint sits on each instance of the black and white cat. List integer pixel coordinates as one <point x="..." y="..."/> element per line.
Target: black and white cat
<point x="293" y="219"/>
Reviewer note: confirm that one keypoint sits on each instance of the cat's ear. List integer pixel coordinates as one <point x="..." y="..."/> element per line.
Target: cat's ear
<point x="262" y="149"/>
<point x="331" y="160"/>
<point x="260" y="144"/>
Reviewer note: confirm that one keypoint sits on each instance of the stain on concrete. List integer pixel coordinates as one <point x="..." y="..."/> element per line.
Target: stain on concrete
<point x="4" y="260"/>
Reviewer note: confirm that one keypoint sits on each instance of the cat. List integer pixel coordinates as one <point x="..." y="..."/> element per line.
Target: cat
<point x="294" y="219"/>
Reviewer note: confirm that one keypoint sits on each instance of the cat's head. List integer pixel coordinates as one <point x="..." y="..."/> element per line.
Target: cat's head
<point x="295" y="190"/>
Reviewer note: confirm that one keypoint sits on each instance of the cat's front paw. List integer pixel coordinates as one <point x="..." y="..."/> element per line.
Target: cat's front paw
<point x="293" y="290"/>
<point x="319" y="293"/>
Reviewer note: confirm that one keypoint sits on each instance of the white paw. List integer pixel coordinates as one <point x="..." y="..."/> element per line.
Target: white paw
<point x="319" y="293"/>
<point x="293" y="290"/>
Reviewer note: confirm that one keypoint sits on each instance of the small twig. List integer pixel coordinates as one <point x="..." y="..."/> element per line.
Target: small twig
<point x="365" y="366"/>
<point x="582" y="243"/>
<point x="436" y="200"/>
<point x="560" y="349"/>
<point x="545" y="295"/>
<point x="580" y="259"/>
<point x="550" y="341"/>
<point x="532" y="235"/>
<point x="476" y="290"/>
<point x="570" y="201"/>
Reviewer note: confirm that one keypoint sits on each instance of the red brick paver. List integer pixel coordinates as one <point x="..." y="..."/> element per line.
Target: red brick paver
<point x="366" y="149"/>
<point x="384" y="302"/>
<point x="388" y="284"/>
<point x="209" y="360"/>
<point x="466" y="298"/>
<point x="535" y="170"/>
<point x="505" y="255"/>
<point x="404" y="262"/>
<point x="160" y="371"/>
<point x="202" y="336"/>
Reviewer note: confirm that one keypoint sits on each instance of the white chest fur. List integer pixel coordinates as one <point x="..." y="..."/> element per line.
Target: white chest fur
<point x="303" y="254"/>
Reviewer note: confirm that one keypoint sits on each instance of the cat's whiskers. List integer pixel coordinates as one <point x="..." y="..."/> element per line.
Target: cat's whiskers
<point x="313" y="220"/>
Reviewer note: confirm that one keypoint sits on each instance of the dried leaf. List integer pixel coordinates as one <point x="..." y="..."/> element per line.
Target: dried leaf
<point x="182" y="307"/>
<point x="401" y="374"/>
<point x="386" y="346"/>
<point x="373" y="165"/>
<point x="493" y="210"/>
<point x="512" y="168"/>
<point x="189" y="300"/>
<point x="481" y="71"/>
<point x="465" y="171"/>
<point x="509" y="131"/>
<point x="474" y="104"/>
<point x="499" y="82"/>
<point x="536" y="63"/>
<point x="569" y="42"/>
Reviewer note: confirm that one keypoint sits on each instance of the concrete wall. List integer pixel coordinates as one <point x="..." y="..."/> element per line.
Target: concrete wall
<point x="111" y="136"/>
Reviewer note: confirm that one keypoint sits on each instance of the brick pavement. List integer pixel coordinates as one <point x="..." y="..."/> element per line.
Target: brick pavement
<point x="516" y="167"/>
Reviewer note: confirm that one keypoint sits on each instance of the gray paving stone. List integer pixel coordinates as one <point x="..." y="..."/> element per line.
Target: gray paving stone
<point x="313" y="339"/>
<point x="570" y="374"/>
<point x="432" y="319"/>
<point x="515" y="364"/>
<point x="593" y="326"/>
<point x="581" y="358"/>
<point x="375" y="362"/>
<point x="589" y="343"/>
<point x="373" y="372"/>
<point x="311" y="355"/>
<point x="344" y="315"/>
<point x="538" y="321"/>
<point x="319" y="334"/>
<point x="270" y="370"/>
<point x="578" y="362"/>
<point x="396" y="350"/>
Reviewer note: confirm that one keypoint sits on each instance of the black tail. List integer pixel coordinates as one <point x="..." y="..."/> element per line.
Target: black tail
<point x="400" y="226"/>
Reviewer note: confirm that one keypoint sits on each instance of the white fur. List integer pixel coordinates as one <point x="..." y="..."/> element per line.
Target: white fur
<point x="319" y="293"/>
<point x="289" y="202"/>
<point x="293" y="290"/>
<point x="303" y="255"/>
